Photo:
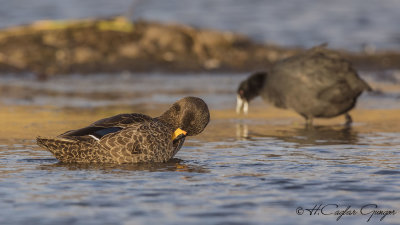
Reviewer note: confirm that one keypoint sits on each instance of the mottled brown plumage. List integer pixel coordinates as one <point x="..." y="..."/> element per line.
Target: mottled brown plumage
<point x="131" y="138"/>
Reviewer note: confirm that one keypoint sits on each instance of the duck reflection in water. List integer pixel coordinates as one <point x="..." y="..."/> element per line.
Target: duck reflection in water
<point x="173" y="165"/>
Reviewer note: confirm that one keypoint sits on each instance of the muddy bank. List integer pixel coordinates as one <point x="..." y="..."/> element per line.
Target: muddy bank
<point x="27" y="122"/>
<point x="116" y="45"/>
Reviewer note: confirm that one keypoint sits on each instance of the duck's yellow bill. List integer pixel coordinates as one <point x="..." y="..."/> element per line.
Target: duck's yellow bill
<point x="177" y="133"/>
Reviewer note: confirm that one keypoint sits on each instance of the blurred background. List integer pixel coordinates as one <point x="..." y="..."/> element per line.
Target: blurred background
<point x="343" y="24"/>
<point x="125" y="58"/>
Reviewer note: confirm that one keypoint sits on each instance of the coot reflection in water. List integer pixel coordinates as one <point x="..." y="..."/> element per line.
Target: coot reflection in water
<point x="315" y="135"/>
<point x="321" y="135"/>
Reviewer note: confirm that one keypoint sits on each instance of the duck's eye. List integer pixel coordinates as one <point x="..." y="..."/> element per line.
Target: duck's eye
<point x="188" y="119"/>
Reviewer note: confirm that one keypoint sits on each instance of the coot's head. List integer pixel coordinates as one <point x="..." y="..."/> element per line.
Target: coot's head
<point x="248" y="90"/>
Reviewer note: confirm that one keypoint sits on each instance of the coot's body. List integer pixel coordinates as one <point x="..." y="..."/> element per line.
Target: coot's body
<point x="316" y="84"/>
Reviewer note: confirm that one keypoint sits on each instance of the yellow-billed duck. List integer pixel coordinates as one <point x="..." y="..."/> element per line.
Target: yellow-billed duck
<point x="131" y="138"/>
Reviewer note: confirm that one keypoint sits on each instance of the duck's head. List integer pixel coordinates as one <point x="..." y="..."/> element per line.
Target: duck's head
<point x="189" y="114"/>
<point x="248" y="90"/>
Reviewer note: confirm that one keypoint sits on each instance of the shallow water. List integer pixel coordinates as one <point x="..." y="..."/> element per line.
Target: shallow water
<point x="241" y="170"/>
<point x="346" y="24"/>
<point x="249" y="179"/>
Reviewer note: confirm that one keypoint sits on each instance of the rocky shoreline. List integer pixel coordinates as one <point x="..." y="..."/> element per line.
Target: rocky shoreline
<point x="49" y="48"/>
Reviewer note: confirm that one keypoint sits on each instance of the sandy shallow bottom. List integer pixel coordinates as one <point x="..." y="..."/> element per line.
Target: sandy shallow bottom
<point x="265" y="168"/>
<point x="27" y="122"/>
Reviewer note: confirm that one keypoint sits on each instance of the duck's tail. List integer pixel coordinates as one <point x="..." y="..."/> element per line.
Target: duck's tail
<point x="367" y="87"/>
<point x="60" y="148"/>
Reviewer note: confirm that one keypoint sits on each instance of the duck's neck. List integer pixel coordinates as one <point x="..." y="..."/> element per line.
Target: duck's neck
<point x="170" y="118"/>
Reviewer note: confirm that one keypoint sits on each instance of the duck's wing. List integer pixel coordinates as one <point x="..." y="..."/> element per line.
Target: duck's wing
<point x="122" y="120"/>
<point x="141" y="142"/>
<point x="106" y="126"/>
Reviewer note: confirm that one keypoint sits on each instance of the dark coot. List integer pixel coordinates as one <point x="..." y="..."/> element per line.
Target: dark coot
<point x="318" y="83"/>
